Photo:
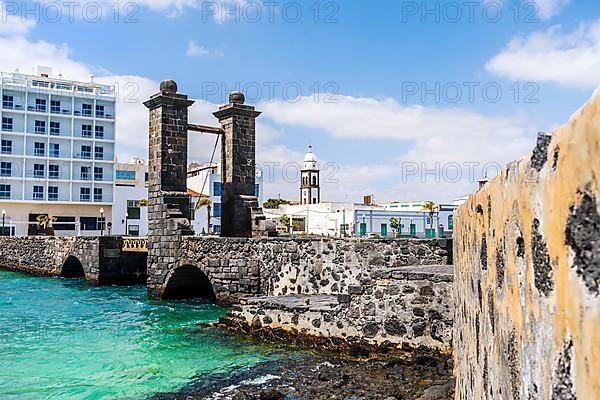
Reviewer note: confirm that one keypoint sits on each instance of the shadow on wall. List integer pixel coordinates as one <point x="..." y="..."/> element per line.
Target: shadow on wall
<point x="188" y="282"/>
<point x="72" y="268"/>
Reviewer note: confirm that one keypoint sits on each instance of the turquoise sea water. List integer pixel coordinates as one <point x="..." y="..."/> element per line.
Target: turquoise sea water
<point x="64" y="339"/>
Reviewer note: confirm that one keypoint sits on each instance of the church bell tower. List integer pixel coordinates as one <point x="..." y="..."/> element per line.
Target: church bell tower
<point x="310" y="189"/>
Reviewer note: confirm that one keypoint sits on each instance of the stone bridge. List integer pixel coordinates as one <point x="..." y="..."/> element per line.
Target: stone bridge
<point x="100" y="260"/>
<point x="227" y="268"/>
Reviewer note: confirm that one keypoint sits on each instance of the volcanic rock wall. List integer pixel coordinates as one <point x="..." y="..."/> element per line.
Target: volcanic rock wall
<point x="527" y="273"/>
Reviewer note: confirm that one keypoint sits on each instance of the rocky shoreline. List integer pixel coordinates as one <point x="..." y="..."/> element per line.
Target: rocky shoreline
<point x="323" y="375"/>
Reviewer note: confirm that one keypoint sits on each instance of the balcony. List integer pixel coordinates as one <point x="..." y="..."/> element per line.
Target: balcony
<point x="12" y="106"/>
<point x="37" y="108"/>
<point x="83" y="156"/>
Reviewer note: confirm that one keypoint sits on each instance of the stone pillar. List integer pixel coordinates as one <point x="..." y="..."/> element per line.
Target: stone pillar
<point x="168" y="201"/>
<point x="240" y="215"/>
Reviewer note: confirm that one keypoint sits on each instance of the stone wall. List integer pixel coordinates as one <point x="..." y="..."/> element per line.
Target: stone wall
<point x="275" y="266"/>
<point x="393" y="308"/>
<point x="527" y="273"/>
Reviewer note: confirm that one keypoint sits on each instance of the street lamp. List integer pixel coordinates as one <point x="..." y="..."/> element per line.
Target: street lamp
<point x="126" y="223"/>
<point x="102" y="222"/>
<point x="3" y="221"/>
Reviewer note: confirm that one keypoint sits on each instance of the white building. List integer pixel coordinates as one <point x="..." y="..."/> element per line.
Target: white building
<point x="57" y="153"/>
<point x="130" y="211"/>
<point x="362" y="220"/>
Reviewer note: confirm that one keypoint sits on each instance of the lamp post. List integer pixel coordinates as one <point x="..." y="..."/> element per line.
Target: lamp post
<point x="102" y="222"/>
<point x="3" y="221"/>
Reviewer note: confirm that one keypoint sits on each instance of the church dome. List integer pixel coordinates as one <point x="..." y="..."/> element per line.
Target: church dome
<point x="310" y="161"/>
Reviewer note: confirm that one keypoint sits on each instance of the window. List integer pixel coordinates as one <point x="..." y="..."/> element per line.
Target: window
<point x="62" y="86"/>
<point x="63" y="223"/>
<point x="7" y="124"/>
<point x="86" y="109"/>
<point x="85" y="173"/>
<point x="125" y="175"/>
<point x="6" y="146"/>
<point x="53" y="193"/>
<point x="217" y="229"/>
<point x="86" y="131"/>
<point x="257" y="190"/>
<point x="99" y="153"/>
<point x="5" y="168"/>
<point x="86" y="152"/>
<point x="38" y="192"/>
<point x="98" y="173"/>
<point x="97" y="194"/>
<point x="314" y="181"/>
<point x="217" y="210"/>
<point x="99" y="132"/>
<point x="55" y="128"/>
<point x="84" y="194"/>
<point x="4" y="191"/>
<point x="134" y="230"/>
<point x="7" y="101"/>
<point x="99" y="111"/>
<point x="39" y="149"/>
<point x="450" y="222"/>
<point x="40" y="126"/>
<point x="133" y="209"/>
<point x="217" y="189"/>
<point x="146" y="177"/>
<point x="88" y="223"/>
<point x="54" y="150"/>
<point x="53" y="171"/>
<point x="38" y="170"/>
<point x="55" y="106"/>
<point x="40" y="105"/>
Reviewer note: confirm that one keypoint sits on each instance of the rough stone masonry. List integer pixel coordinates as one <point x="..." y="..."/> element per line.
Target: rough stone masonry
<point x="527" y="273"/>
<point x="168" y="202"/>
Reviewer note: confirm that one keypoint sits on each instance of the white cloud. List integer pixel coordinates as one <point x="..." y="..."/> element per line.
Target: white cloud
<point x="549" y="8"/>
<point x="196" y="50"/>
<point x="570" y="59"/>
<point x="12" y="24"/>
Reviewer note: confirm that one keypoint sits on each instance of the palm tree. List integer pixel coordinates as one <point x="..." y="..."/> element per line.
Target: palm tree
<point x="205" y="202"/>
<point x="431" y="208"/>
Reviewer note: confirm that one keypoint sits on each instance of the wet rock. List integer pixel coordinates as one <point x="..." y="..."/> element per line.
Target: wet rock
<point x="271" y="394"/>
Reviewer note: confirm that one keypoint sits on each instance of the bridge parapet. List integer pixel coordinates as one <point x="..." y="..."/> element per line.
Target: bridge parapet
<point x="136" y="244"/>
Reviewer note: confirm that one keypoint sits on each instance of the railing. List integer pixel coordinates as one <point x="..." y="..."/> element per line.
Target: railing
<point x="138" y="244"/>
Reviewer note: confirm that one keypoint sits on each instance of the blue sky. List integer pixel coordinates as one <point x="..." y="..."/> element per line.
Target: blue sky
<point x="377" y="59"/>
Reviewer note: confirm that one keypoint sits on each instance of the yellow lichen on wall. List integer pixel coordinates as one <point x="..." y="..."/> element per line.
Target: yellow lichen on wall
<point x="527" y="273"/>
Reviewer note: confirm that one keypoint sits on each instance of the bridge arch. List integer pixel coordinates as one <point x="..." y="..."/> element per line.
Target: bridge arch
<point x="188" y="282"/>
<point x="72" y="268"/>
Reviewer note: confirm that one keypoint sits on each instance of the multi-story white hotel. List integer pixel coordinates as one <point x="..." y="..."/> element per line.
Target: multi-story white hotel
<point x="57" y="153"/>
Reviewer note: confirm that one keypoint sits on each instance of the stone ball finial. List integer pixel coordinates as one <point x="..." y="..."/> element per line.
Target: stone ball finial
<point x="168" y="86"/>
<point x="237" y="98"/>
